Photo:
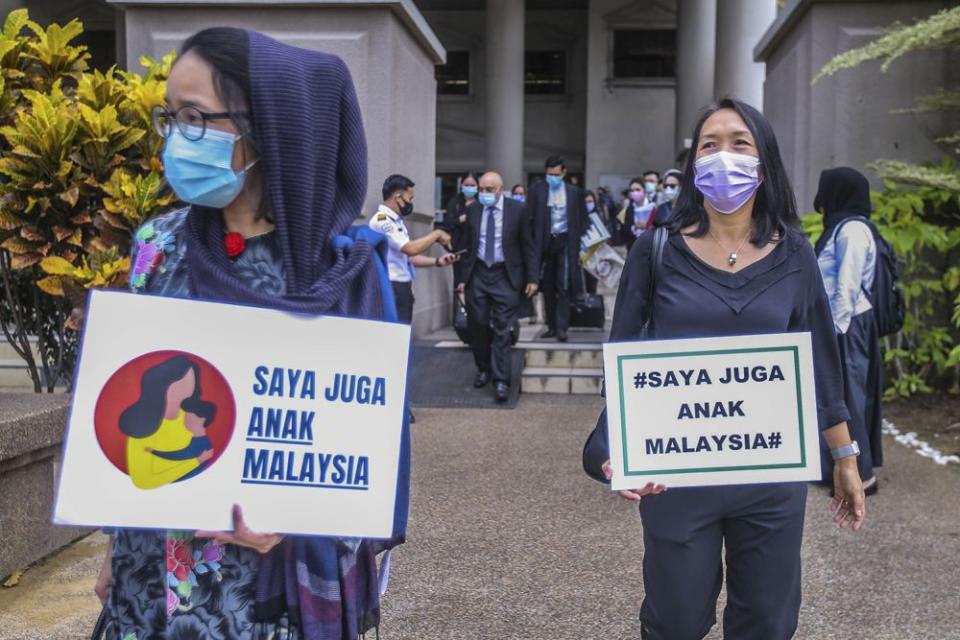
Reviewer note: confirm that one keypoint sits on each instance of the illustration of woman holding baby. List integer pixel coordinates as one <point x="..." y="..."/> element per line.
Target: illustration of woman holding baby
<point x="166" y="426"/>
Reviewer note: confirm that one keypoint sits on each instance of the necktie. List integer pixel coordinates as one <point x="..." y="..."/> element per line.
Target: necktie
<point x="489" y="251"/>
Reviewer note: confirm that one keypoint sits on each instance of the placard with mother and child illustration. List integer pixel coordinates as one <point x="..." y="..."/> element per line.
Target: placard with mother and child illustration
<point x="183" y="408"/>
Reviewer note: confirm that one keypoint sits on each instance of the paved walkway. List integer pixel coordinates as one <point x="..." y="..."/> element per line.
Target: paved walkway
<point x="508" y="539"/>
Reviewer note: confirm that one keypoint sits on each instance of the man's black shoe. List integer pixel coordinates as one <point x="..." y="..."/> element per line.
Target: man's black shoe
<point x="561" y="337"/>
<point x="549" y="333"/>
<point x="483" y="377"/>
<point x="503" y="391"/>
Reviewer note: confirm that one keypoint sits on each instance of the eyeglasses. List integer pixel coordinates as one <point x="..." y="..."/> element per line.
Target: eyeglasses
<point x="191" y="122"/>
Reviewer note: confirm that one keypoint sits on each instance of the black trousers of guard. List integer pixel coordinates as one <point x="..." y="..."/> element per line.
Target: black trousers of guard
<point x="556" y="288"/>
<point x="492" y="305"/>
<point x="403" y="295"/>
<point x="685" y="531"/>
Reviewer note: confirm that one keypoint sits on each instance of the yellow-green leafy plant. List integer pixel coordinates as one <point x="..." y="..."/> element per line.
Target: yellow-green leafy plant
<point x="79" y="171"/>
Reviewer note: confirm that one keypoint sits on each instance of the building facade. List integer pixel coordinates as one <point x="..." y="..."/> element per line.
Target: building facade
<point x="613" y="86"/>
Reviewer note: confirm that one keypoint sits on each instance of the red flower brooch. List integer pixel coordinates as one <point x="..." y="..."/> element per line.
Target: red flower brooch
<point x="234" y="244"/>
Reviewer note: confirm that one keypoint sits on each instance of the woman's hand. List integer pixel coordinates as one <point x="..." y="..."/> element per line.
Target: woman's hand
<point x="442" y="238"/>
<point x="633" y="495"/>
<point x="242" y="535"/>
<point x="105" y="577"/>
<point x="447" y="259"/>
<point x="849" y="505"/>
<point x="205" y="455"/>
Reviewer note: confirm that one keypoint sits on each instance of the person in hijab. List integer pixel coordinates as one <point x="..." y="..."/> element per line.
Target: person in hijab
<point x="265" y="143"/>
<point x="455" y="218"/>
<point x="847" y="255"/>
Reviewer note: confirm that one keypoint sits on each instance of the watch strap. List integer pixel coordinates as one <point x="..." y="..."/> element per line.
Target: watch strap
<point x="852" y="449"/>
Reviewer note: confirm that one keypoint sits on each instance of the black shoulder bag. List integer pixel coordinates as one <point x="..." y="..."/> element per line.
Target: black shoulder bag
<point x="596" y="450"/>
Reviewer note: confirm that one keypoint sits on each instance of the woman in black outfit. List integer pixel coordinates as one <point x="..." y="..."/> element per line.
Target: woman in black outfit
<point x="735" y="263"/>
<point x="455" y="218"/>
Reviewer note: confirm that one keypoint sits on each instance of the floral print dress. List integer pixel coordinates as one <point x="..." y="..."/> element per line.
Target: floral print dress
<point x="168" y="585"/>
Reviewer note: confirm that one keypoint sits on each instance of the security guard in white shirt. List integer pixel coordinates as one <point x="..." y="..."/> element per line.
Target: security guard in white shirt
<point x="403" y="254"/>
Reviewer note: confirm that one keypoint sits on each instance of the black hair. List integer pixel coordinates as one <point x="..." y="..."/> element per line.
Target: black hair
<point x="638" y="180"/>
<point x="774" y="210"/>
<point x="651" y="171"/>
<point x="470" y="174"/>
<point x="227" y="51"/>
<point x="207" y="411"/>
<point x="555" y="161"/>
<point x="589" y="194"/>
<point x="395" y="183"/>
<point x="514" y="187"/>
<point x="144" y="416"/>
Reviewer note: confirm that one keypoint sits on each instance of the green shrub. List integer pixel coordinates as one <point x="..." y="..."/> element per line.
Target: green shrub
<point x="79" y="170"/>
<point x="921" y="226"/>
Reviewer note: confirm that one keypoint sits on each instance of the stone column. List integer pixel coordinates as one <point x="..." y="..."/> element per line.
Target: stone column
<point x="504" y="89"/>
<point x="696" y="51"/>
<point x="740" y="25"/>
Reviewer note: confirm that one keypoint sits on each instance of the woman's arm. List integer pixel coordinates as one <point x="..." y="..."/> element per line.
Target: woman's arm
<point x="851" y="246"/>
<point x="105" y="577"/>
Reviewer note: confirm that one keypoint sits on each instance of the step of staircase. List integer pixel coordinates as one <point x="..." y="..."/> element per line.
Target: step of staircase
<point x="13" y="369"/>
<point x="562" y="380"/>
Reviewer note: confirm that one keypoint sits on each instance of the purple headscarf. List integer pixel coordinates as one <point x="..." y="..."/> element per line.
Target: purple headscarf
<point x="313" y="159"/>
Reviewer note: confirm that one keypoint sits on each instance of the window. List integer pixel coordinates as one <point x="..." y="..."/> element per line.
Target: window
<point x="545" y="72"/>
<point x="449" y="186"/>
<point x="102" y="46"/>
<point x="453" y="78"/>
<point x="644" y="53"/>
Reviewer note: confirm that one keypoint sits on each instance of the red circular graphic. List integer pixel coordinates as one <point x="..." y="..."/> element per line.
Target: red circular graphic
<point x="144" y="387"/>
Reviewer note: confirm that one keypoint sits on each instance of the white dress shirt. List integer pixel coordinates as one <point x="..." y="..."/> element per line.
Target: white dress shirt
<point x="390" y="223"/>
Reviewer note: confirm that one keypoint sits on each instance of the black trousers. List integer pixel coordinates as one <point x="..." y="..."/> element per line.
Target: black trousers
<point x="403" y="294"/>
<point x="863" y="393"/>
<point x="685" y="531"/>
<point x="492" y="305"/>
<point x="556" y="285"/>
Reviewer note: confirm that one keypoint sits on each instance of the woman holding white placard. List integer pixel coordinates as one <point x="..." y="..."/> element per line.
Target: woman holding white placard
<point x="734" y="263"/>
<point x="265" y="143"/>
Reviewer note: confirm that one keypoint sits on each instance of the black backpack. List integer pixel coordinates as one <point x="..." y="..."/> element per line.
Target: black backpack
<point x="886" y="297"/>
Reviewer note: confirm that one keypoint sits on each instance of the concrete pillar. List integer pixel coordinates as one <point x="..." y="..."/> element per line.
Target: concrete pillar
<point x="696" y="53"/>
<point x="504" y="108"/>
<point x="740" y="25"/>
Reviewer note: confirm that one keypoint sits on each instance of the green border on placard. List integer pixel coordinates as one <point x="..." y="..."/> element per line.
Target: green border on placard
<point x="627" y="471"/>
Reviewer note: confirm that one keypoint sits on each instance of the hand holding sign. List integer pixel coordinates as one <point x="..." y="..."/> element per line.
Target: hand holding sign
<point x="633" y="495"/>
<point x="242" y="535"/>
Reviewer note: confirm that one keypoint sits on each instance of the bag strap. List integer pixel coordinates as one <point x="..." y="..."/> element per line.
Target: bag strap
<point x="656" y="265"/>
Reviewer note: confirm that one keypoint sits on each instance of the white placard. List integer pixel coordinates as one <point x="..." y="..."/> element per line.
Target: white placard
<point x="301" y="419"/>
<point x="712" y="411"/>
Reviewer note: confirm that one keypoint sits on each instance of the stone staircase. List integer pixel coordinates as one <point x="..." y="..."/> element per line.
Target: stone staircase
<point x="572" y="368"/>
<point x="13" y="370"/>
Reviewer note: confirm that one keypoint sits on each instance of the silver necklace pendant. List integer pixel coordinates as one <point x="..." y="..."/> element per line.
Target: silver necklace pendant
<point x="733" y="258"/>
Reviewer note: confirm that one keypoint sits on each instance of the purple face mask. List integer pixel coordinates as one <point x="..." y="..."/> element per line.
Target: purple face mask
<point x="727" y="180"/>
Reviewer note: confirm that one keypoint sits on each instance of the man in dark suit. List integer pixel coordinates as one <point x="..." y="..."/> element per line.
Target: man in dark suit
<point x="500" y="266"/>
<point x="560" y="219"/>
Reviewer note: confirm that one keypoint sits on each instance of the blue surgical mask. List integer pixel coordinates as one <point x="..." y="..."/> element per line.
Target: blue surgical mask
<point x="488" y="199"/>
<point x="554" y="181"/>
<point x="591" y="206"/>
<point x="519" y="197"/>
<point x="201" y="171"/>
<point x="469" y="192"/>
<point x="650" y="187"/>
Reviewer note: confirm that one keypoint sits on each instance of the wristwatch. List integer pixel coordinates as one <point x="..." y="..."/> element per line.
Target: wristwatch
<point x="847" y="450"/>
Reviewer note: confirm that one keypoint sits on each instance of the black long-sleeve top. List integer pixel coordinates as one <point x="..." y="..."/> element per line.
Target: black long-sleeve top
<point x="780" y="293"/>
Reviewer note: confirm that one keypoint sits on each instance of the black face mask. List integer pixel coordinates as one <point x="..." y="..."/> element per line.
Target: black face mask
<point x="406" y="209"/>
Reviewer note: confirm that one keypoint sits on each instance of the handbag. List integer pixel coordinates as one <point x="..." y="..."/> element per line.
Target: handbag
<point x="596" y="450"/>
<point x="461" y="322"/>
